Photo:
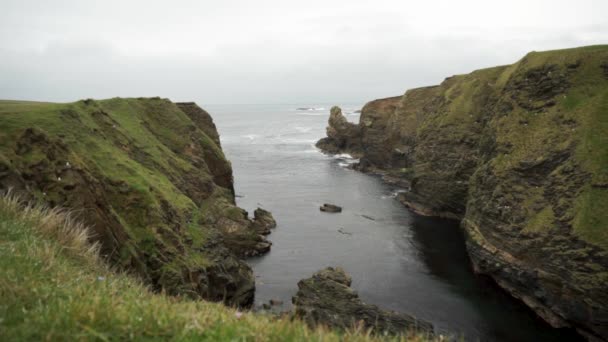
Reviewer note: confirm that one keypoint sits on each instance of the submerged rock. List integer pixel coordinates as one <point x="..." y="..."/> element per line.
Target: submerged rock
<point x="330" y="208"/>
<point x="326" y="299"/>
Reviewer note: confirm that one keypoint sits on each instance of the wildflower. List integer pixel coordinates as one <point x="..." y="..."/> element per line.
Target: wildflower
<point x="238" y="314"/>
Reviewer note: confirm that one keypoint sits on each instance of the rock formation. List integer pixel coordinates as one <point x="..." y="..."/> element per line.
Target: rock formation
<point x="519" y="155"/>
<point x="330" y="208"/>
<point x="341" y="134"/>
<point x="327" y="299"/>
<point x="151" y="180"/>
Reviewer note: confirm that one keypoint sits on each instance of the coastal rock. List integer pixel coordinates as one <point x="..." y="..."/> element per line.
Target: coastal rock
<point x="327" y="299"/>
<point x="150" y="179"/>
<point x="263" y="221"/>
<point x="506" y="151"/>
<point x="330" y="208"/>
<point x="604" y="67"/>
<point x="275" y="302"/>
<point x="342" y="136"/>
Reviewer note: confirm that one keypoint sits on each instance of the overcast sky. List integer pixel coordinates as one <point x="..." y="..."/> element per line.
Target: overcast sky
<point x="272" y="51"/>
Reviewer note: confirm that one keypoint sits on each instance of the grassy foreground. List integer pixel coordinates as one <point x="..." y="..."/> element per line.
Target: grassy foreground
<point x="54" y="286"/>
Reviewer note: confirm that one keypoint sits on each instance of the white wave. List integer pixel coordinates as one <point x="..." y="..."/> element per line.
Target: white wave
<point x="310" y="109"/>
<point x="308" y="151"/>
<point x="345" y="160"/>
<point x="394" y="194"/>
<point x="251" y="136"/>
<point x="343" y="156"/>
<point x="296" y="141"/>
<point x="313" y="114"/>
<point x="302" y="129"/>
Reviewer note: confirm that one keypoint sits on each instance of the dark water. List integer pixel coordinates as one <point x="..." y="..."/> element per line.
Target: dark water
<point x="397" y="260"/>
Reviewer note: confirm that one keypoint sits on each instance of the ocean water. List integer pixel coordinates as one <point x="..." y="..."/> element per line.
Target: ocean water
<point x="398" y="260"/>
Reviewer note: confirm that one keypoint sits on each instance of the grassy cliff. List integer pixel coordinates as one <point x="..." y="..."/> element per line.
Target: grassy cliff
<point x="55" y="287"/>
<point x="149" y="177"/>
<point x="519" y="154"/>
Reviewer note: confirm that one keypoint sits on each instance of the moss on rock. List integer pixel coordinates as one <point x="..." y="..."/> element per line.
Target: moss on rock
<point x="142" y="173"/>
<point x="519" y="153"/>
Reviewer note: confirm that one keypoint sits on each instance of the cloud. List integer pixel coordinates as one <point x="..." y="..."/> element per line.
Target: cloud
<point x="272" y="51"/>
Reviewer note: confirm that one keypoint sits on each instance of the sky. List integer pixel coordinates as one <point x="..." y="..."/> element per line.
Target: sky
<point x="272" y="51"/>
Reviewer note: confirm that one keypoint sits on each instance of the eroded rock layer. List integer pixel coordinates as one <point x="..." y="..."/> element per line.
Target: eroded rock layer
<point x="151" y="180"/>
<point x="518" y="154"/>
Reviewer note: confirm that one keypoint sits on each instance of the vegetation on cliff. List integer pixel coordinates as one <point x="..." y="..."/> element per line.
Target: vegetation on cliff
<point x="519" y="154"/>
<point x="151" y="180"/>
<point x="56" y="287"/>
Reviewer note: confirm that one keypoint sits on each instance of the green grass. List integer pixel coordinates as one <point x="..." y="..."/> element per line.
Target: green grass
<point x="591" y="219"/>
<point x="141" y="144"/>
<point x="575" y="125"/>
<point x="541" y="222"/>
<point x="533" y="136"/>
<point x="55" y="287"/>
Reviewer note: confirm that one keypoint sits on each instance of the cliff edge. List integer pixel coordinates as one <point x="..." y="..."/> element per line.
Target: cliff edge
<point x="519" y="155"/>
<point x="149" y="177"/>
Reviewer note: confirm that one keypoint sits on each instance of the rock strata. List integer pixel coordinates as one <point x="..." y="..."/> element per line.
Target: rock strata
<point x="326" y="299"/>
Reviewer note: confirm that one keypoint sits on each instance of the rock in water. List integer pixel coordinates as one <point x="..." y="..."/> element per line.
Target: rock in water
<point x="330" y="208"/>
<point x="342" y="136"/>
<point x="263" y="221"/>
<point x="327" y="299"/>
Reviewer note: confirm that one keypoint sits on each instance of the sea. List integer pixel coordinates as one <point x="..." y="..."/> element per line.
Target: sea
<point x="398" y="260"/>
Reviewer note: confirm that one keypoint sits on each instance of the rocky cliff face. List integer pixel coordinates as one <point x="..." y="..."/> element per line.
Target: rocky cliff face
<point x="150" y="178"/>
<point x="518" y="154"/>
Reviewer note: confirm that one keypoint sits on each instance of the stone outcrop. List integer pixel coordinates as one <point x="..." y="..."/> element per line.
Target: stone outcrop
<point x="517" y="154"/>
<point x="341" y="135"/>
<point x="150" y="179"/>
<point x="326" y="299"/>
<point x="263" y="221"/>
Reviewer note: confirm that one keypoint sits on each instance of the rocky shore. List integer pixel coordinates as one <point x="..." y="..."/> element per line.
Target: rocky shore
<point x="327" y="299"/>
<point x="517" y="154"/>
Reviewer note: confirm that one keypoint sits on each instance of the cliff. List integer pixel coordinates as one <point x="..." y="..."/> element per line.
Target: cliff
<point x="518" y="154"/>
<point x="54" y="287"/>
<point x="149" y="177"/>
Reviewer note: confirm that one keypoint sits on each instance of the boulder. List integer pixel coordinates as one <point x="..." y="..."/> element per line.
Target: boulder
<point x="327" y="299"/>
<point x="263" y="221"/>
<point x="330" y="208"/>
